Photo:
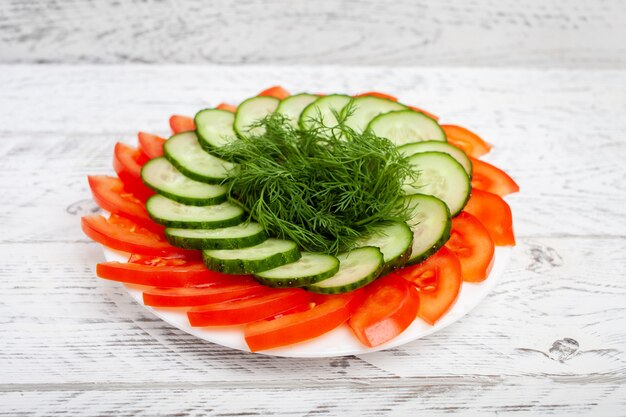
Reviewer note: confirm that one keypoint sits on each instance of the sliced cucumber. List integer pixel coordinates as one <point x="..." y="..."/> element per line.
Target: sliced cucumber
<point x="215" y="128"/>
<point x="406" y="126"/>
<point x="440" y="175"/>
<point x="251" y="111"/>
<point x="173" y="214"/>
<point x="186" y="154"/>
<point x="368" y="107"/>
<point x="160" y="175"/>
<point x="394" y="241"/>
<point x="309" y="269"/>
<point x="435" y="146"/>
<point x="357" y="268"/>
<point x="292" y="107"/>
<point x="323" y="108"/>
<point x="235" y="237"/>
<point x="430" y="223"/>
<point x="270" y="254"/>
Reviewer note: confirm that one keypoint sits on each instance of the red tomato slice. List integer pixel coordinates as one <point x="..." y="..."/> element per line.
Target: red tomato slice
<point x="209" y="294"/>
<point x="390" y="306"/>
<point x="467" y="140"/>
<point x="275" y="91"/>
<point x="377" y="94"/>
<point x="471" y="243"/>
<point x="489" y="178"/>
<point x="429" y="114"/>
<point x="328" y="313"/>
<point x="180" y="124"/>
<point x="227" y="107"/>
<point x="495" y="214"/>
<point x="438" y="280"/>
<point x="125" y="235"/>
<point x="248" y="309"/>
<point x="151" y="145"/>
<point x="127" y="162"/>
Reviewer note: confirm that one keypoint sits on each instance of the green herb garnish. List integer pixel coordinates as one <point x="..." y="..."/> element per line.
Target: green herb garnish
<point x="322" y="187"/>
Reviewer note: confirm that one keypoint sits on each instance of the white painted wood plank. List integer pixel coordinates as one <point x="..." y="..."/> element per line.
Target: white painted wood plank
<point x="544" y="33"/>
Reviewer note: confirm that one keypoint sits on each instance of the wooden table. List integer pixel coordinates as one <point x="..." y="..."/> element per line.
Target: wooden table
<point x="549" y="340"/>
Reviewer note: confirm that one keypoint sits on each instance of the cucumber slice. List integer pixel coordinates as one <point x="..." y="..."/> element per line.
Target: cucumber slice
<point x="270" y="254"/>
<point x="323" y="107"/>
<point x="173" y="214"/>
<point x="406" y="126"/>
<point x="215" y="128"/>
<point x="367" y="107"/>
<point x="240" y="236"/>
<point x="394" y="240"/>
<point x="430" y="223"/>
<point x="186" y="154"/>
<point x="357" y="268"/>
<point x="160" y="175"/>
<point x="435" y="146"/>
<point x="292" y="107"/>
<point x="440" y="175"/>
<point x="309" y="269"/>
<point x="251" y="111"/>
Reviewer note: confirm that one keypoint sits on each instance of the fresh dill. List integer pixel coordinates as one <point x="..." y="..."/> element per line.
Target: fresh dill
<point x="322" y="187"/>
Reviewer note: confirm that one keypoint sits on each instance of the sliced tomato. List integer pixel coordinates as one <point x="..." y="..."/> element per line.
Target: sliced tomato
<point x="467" y="140"/>
<point x="390" y="306"/>
<point x="127" y="162"/>
<point x="205" y="294"/>
<point x="125" y="235"/>
<point x="489" y="178"/>
<point x="495" y="214"/>
<point x="151" y="145"/>
<point x="275" y="91"/>
<point x="438" y="281"/>
<point x="377" y="94"/>
<point x="328" y="313"/>
<point x="471" y="243"/>
<point x="429" y="114"/>
<point x="180" y="124"/>
<point x="247" y="310"/>
<point x="227" y="107"/>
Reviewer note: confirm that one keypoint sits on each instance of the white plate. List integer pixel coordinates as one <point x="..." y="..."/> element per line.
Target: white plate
<point x="339" y="342"/>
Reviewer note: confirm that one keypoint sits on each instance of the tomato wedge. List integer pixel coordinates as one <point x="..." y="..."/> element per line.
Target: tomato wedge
<point x="180" y="124"/>
<point x="328" y="313"/>
<point x="471" y="243"/>
<point x="467" y="140"/>
<point x="389" y="308"/>
<point x="125" y="235"/>
<point x="151" y="145"/>
<point x="127" y="162"/>
<point x="438" y="280"/>
<point x="489" y="178"/>
<point x="377" y="94"/>
<point x="227" y="107"/>
<point x="495" y="214"/>
<point x="206" y="294"/>
<point x="275" y="91"/>
<point x="429" y="114"/>
<point x="247" y="310"/>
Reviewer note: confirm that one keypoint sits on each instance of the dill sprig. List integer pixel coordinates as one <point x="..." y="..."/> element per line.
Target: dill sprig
<point x="322" y="187"/>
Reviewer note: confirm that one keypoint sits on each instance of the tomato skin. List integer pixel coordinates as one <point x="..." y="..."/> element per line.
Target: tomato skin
<point x="202" y="295"/>
<point x="127" y="162"/>
<point x="275" y="91"/>
<point x="377" y="94"/>
<point x="471" y="243"/>
<point x="467" y="140"/>
<point x="495" y="214"/>
<point x="248" y="309"/>
<point x="329" y="312"/>
<point x="390" y="306"/>
<point x="487" y="177"/>
<point x="438" y="280"/>
<point x="228" y="107"/>
<point x="429" y="114"/>
<point x="151" y="145"/>
<point x="180" y="124"/>
<point x="125" y="235"/>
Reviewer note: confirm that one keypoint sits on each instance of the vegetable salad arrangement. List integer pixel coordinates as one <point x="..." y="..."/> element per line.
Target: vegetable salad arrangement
<point x="291" y="215"/>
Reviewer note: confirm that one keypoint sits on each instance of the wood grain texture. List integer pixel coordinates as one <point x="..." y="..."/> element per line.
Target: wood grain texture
<point x="543" y="33"/>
